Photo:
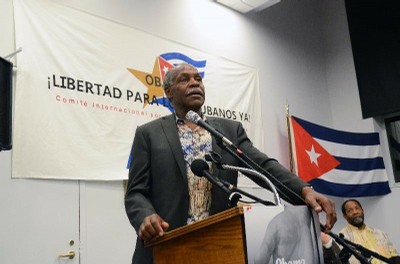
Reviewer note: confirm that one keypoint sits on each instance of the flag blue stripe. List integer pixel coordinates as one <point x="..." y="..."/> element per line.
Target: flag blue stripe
<point x="328" y="134"/>
<point x="350" y="190"/>
<point x="183" y="57"/>
<point x="351" y="164"/>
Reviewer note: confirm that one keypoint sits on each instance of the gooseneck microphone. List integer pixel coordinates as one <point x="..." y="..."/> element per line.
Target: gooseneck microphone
<point x="259" y="176"/>
<point x="194" y="117"/>
<point x="200" y="168"/>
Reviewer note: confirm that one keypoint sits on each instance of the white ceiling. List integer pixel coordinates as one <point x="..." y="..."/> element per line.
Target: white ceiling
<point x="245" y="6"/>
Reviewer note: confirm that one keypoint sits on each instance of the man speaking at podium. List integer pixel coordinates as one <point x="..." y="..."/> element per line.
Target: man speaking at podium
<point x="163" y="193"/>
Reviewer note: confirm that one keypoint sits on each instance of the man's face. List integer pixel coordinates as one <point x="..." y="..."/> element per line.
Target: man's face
<point x="187" y="92"/>
<point x="354" y="214"/>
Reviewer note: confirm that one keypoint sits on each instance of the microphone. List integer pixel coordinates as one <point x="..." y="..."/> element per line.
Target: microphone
<point x="200" y="168"/>
<point x="195" y="118"/>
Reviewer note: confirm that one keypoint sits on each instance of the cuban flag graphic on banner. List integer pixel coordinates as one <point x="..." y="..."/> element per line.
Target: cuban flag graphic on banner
<point x="338" y="163"/>
<point x="175" y="58"/>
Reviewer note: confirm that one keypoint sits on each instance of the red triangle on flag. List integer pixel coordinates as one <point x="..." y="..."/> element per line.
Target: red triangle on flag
<point x="164" y="66"/>
<point x="312" y="159"/>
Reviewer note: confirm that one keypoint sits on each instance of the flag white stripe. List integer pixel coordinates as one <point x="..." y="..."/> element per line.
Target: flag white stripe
<point x="350" y="151"/>
<point x="355" y="177"/>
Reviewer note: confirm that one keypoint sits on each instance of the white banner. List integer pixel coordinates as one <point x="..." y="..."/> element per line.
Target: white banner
<point x="85" y="83"/>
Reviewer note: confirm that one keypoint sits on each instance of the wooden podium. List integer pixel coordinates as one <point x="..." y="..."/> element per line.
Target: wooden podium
<point x="217" y="239"/>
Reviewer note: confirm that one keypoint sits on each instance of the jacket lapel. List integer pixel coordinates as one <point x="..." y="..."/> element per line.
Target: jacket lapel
<point x="217" y="149"/>
<point x="217" y="126"/>
<point x="168" y="124"/>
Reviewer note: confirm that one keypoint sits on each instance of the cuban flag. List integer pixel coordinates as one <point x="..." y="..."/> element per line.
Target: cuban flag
<point x="338" y="163"/>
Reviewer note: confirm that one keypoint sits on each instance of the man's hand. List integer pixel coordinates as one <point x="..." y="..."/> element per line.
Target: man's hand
<point x="320" y="203"/>
<point x="153" y="227"/>
<point x="326" y="240"/>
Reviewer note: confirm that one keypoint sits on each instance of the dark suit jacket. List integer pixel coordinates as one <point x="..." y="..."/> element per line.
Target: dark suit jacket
<point x="157" y="176"/>
<point x="331" y="255"/>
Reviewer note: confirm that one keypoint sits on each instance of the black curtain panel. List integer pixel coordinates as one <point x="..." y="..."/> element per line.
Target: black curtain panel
<point x="6" y="69"/>
<point x="374" y="28"/>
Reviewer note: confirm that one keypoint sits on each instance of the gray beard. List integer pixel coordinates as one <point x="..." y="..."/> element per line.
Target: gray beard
<point x="358" y="221"/>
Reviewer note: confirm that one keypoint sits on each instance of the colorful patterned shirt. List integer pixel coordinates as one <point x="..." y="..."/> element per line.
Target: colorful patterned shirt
<point x="196" y="144"/>
<point x="371" y="238"/>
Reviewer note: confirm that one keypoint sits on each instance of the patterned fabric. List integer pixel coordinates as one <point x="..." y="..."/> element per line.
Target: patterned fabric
<point x="371" y="238"/>
<point x="195" y="144"/>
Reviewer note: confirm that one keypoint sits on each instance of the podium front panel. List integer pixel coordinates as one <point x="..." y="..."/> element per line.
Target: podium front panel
<point x="282" y="234"/>
<point x="217" y="239"/>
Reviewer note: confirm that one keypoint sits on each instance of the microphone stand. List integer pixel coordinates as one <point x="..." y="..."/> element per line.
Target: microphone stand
<point x="234" y="198"/>
<point x="347" y="250"/>
<point x="365" y="252"/>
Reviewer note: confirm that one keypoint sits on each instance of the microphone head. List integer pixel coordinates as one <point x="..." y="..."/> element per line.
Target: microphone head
<point x="193" y="117"/>
<point x="198" y="167"/>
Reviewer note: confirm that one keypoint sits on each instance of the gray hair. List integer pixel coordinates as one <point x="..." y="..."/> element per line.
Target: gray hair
<point x="170" y="76"/>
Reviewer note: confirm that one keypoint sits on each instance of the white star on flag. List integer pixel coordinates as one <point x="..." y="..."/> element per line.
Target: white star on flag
<point x="165" y="69"/>
<point x="313" y="155"/>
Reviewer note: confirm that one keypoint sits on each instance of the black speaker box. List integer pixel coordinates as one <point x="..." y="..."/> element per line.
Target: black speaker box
<point x="374" y="28"/>
<point x="6" y="71"/>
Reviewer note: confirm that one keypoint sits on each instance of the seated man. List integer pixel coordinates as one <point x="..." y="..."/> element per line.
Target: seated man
<point x="358" y="232"/>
